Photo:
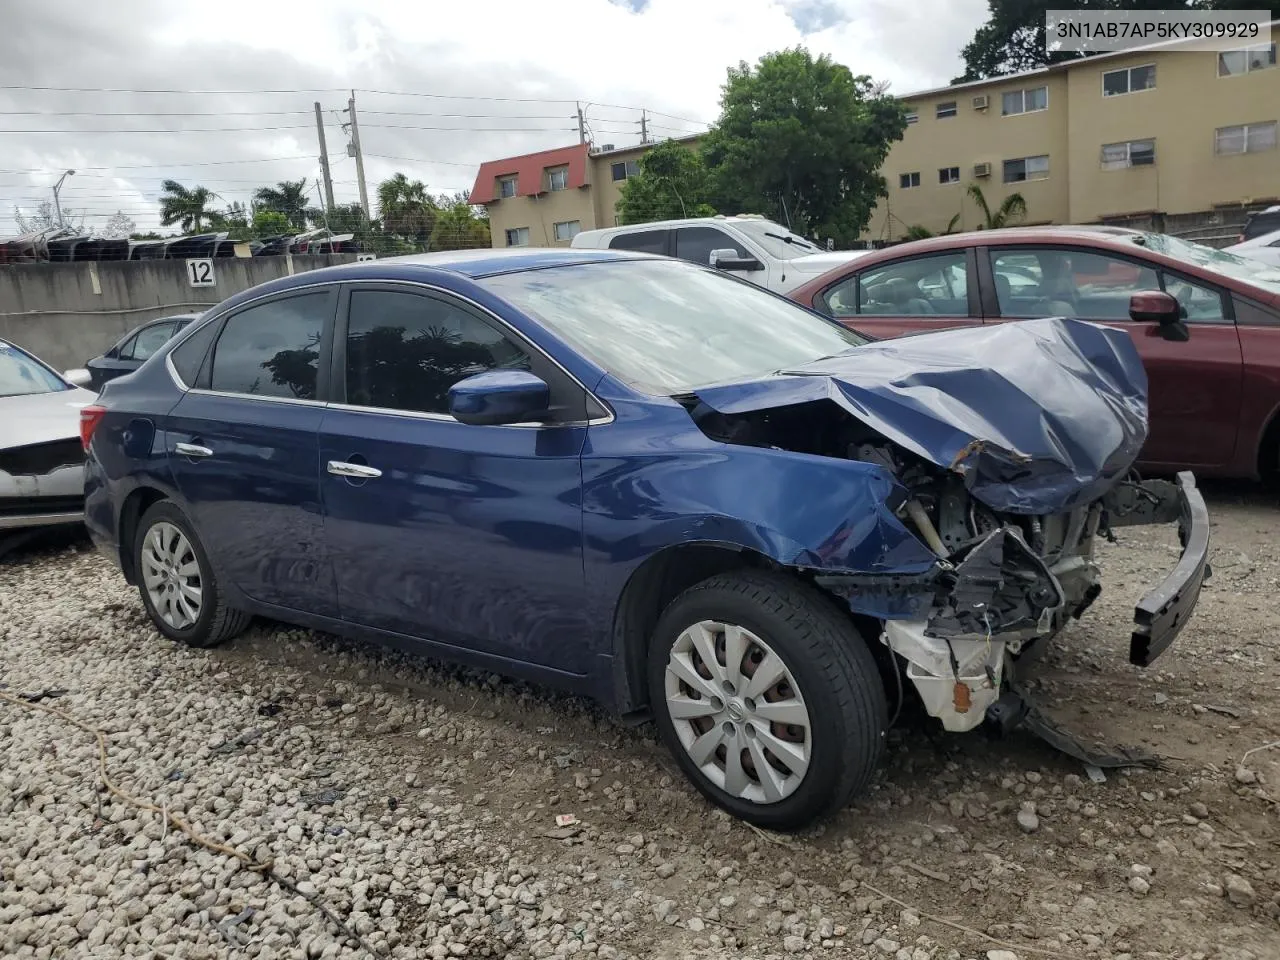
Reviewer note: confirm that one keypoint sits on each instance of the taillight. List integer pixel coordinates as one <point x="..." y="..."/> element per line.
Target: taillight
<point x="90" y="417"/>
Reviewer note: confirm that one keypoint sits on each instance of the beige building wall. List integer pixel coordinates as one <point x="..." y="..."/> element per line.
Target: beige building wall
<point x="1188" y="104"/>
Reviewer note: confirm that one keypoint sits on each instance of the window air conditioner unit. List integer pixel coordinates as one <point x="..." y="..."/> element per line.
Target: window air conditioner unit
<point x="982" y="169"/>
<point x="980" y="102"/>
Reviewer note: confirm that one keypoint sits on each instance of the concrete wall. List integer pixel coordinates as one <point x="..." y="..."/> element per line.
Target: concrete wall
<point x="67" y="313"/>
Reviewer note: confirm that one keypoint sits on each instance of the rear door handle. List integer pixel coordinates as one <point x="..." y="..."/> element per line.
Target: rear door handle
<point x="340" y="468"/>
<point x="193" y="450"/>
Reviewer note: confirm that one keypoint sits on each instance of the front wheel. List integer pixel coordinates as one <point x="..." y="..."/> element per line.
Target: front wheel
<point x="176" y="580"/>
<point x="768" y="697"/>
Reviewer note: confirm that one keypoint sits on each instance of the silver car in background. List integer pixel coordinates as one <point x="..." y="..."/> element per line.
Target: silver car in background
<point x="41" y="457"/>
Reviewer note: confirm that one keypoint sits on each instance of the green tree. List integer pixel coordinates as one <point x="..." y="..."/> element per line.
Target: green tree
<point x="801" y="139"/>
<point x="1010" y="211"/>
<point x="189" y="209"/>
<point x="288" y="197"/>
<point x="234" y="221"/>
<point x="406" y="209"/>
<point x="270" y="223"/>
<point x="672" y="183"/>
<point x="458" y="225"/>
<point x="1013" y="38"/>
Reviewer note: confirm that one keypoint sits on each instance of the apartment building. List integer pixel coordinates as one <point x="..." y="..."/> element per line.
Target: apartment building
<point x="1113" y="137"/>
<point x="544" y="199"/>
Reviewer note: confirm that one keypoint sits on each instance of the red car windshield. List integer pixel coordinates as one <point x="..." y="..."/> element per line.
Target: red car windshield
<point x="1219" y="261"/>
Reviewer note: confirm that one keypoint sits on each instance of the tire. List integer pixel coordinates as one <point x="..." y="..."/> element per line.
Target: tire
<point x="829" y="671"/>
<point x="214" y="622"/>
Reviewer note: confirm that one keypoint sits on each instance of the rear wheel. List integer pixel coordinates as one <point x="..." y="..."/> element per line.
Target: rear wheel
<point x="176" y="581"/>
<point x="768" y="697"/>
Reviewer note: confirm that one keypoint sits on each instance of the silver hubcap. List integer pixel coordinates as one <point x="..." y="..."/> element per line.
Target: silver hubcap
<point x="171" y="575"/>
<point x="738" y="712"/>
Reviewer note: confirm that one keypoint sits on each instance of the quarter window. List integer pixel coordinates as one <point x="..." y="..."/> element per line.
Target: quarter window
<point x="1129" y="80"/>
<point x="1026" y="168"/>
<point x="188" y="356"/>
<point x="923" y="286"/>
<point x="405" y="350"/>
<point x="272" y="350"/>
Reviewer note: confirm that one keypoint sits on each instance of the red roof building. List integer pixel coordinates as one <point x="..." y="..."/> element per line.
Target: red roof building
<point x="531" y="174"/>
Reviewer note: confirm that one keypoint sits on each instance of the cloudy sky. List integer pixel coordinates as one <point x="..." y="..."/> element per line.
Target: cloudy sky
<point x="132" y="92"/>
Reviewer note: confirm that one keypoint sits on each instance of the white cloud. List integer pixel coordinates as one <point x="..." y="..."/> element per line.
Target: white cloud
<point x="612" y="55"/>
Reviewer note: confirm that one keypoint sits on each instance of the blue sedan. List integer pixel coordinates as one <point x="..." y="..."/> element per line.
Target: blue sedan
<point x="645" y="481"/>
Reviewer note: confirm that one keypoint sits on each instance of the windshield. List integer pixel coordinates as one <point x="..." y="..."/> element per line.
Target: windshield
<point x="778" y="240"/>
<point x="1219" y="261"/>
<point x="666" y="327"/>
<point x="21" y="375"/>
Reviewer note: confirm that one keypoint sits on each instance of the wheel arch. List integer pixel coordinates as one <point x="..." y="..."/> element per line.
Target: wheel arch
<point x="137" y="503"/>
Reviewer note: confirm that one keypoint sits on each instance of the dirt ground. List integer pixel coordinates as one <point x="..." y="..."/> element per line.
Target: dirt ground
<point x="455" y="779"/>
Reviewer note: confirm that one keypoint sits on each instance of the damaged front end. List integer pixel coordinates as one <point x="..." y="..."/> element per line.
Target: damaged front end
<point x="1011" y="450"/>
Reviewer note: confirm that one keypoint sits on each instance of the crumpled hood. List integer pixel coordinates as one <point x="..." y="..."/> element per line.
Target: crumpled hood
<point x="1038" y="416"/>
<point x="41" y="417"/>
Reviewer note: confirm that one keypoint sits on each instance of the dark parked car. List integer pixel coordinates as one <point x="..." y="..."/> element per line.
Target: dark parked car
<point x="645" y="481"/>
<point x="133" y="349"/>
<point x="1211" y="349"/>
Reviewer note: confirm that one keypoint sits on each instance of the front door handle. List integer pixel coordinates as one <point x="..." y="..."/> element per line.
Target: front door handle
<point x="340" y="468"/>
<point x="193" y="450"/>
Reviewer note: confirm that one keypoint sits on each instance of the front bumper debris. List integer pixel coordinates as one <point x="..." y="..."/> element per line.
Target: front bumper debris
<point x="1001" y="597"/>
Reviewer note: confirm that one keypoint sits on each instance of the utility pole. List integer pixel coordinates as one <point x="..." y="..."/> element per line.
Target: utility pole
<point x="582" y="125"/>
<point x="353" y="149"/>
<point x="324" y="162"/>
<point x="644" y="126"/>
<point x="57" y="206"/>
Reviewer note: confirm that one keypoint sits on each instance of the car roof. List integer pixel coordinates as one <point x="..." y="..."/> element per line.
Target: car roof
<point x="670" y="224"/>
<point x="489" y="262"/>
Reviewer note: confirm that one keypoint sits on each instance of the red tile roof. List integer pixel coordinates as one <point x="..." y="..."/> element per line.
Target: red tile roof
<point x="529" y="170"/>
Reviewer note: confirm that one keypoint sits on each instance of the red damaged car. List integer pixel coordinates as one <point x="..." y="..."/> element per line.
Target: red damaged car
<point x="1206" y="322"/>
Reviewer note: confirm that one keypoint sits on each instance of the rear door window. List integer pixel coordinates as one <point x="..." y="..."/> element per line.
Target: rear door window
<point x="273" y="349"/>
<point x="696" y="243"/>
<point x="642" y="241"/>
<point x="1048" y="282"/>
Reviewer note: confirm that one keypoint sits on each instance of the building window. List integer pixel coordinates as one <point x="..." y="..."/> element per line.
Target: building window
<point x="568" y="229"/>
<point x="1232" y="63"/>
<point x="1129" y="80"/>
<point x="1246" y="138"/>
<point x="1132" y="153"/>
<point x="518" y="237"/>
<point x="912" y="117"/>
<point x="947" y="109"/>
<point x="506" y="187"/>
<point x="948" y="174"/>
<point x="1031" y="100"/>
<point x="558" y="178"/>
<point x="624" y="169"/>
<point x="908" y="180"/>
<point x="1026" y="168"/>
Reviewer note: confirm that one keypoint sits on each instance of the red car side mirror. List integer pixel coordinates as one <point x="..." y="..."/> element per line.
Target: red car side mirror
<point x="1155" y="306"/>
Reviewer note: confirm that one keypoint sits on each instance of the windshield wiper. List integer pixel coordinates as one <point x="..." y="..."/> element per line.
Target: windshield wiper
<point x="791" y="240"/>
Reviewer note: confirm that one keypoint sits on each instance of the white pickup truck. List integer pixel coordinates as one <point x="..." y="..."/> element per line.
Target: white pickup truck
<point x="753" y="248"/>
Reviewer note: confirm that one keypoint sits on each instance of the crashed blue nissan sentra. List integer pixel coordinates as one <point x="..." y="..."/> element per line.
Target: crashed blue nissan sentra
<point x="648" y="482"/>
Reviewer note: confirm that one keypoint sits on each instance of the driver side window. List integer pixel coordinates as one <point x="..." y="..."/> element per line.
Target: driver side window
<point x="696" y="243"/>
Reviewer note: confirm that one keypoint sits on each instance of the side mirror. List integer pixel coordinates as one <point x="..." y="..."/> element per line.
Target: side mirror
<point x="728" y="259"/>
<point x="498" y="397"/>
<point x="78" y="377"/>
<point x="1155" y="306"/>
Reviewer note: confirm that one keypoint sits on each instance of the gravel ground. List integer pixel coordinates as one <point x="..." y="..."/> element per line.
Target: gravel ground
<point x="417" y="803"/>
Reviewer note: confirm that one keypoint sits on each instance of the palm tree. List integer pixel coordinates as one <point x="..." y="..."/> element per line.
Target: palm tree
<point x="406" y="208"/>
<point x="187" y="208"/>
<point x="288" y="197"/>
<point x="918" y="232"/>
<point x="1013" y="208"/>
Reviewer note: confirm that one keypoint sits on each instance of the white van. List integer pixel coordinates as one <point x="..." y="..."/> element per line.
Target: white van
<point x="750" y="247"/>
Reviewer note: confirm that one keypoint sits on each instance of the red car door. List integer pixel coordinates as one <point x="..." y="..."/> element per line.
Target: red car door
<point x="1194" y="386"/>
<point x="931" y="291"/>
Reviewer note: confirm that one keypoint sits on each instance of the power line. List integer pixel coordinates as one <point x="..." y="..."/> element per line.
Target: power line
<point x="24" y="86"/>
